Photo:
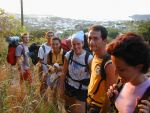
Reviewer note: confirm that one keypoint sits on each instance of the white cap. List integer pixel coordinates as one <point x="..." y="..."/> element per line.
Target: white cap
<point x="79" y="35"/>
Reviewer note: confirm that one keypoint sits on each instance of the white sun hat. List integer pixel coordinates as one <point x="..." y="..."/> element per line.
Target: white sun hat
<point x="79" y="35"/>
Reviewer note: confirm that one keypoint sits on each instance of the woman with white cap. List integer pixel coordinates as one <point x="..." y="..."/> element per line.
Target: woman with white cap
<point x="76" y="74"/>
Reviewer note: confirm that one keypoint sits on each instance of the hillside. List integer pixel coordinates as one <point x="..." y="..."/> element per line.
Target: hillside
<point x="140" y="17"/>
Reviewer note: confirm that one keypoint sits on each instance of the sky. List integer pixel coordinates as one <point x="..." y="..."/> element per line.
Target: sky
<point x="99" y="10"/>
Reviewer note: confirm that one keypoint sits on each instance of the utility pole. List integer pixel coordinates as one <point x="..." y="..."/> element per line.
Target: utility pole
<point x="22" y="20"/>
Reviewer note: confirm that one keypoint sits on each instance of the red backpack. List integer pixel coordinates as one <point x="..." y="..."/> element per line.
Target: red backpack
<point x="66" y="44"/>
<point x="13" y="43"/>
<point x="11" y="58"/>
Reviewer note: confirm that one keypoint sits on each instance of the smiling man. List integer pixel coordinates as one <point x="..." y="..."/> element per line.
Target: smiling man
<point x="102" y="70"/>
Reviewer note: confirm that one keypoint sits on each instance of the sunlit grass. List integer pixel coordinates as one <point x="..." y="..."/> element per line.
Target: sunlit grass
<point x="21" y="99"/>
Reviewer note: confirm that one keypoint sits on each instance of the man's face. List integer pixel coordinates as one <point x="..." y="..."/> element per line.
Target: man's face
<point x="95" y="40"/>
<point x="49" y="37"/>
<point x="25" y="38"/>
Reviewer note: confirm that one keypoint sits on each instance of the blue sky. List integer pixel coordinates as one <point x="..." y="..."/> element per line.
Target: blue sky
<point x="81" y="9"/>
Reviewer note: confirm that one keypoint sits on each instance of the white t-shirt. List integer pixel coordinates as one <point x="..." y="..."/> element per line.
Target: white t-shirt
<point x="76" y="71"/>
<point x="23" y="51"/>
<point x="127" y="99"/>
<point x="43" y="55"/>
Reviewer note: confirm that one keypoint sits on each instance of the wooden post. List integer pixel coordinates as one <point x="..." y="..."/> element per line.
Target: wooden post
<point x="22" y="19"/>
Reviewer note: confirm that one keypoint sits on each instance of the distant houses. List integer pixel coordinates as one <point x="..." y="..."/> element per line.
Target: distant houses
<point x="63" y="24"/>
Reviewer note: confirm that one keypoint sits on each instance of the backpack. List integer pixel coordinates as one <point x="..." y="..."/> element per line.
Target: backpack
<point x="120" y="85"/>
<point x="145" y="96"/>
<point x="86" y="58"/>
<point x="33" y="52"/>
<point x="103" y="76"/>
<point x="66" y="44"/>
<point x="11" y="55"/>
<point x="102" y="71"/>
<point x="70" y="60"/>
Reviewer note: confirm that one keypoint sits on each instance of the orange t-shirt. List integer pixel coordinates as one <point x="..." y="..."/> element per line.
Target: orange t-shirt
<point x="94" y="80"/>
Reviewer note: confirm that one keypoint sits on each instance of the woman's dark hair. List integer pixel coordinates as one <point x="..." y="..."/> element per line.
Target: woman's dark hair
<point x="56" y="38"/>
<point x="132" y="49"/>
<point x="101" y="29"/>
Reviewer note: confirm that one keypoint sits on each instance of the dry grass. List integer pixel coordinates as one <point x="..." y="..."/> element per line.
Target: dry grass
<point x="22" y="99"/>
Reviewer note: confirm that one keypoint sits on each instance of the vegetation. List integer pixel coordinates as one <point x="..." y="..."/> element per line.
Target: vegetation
<point x="13" y="98"/>
<point x="144" y="30"/>
<point x="9" y="25"/>
<point x="113" y="32"/>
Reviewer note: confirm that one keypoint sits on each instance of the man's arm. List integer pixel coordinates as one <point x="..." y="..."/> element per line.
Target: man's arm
<point x="62" y="78"/>
<point x="18" y="63"/>
<point x="111" y="78"/>
<point x="19" y="59"/>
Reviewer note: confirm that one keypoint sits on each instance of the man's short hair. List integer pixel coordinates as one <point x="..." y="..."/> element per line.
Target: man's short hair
<point x="24" y="34"/>
<point x="49" y="32"/>
<point x="101" y="29"/>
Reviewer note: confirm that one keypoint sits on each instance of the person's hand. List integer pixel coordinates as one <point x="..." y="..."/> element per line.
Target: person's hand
<point x="51" y="69"/>
<point x="57" y="67"/>
<point x="147" y="75"/>
<point x="144" y="107"/>
<point x="20" y="69"/>
<point x="112" y="91"/>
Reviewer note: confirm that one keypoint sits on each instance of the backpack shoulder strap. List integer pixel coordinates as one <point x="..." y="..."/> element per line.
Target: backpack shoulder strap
<point x="69" y="61"/>
<point x="145" y="96"/>
<point x="86" y="59"/>
<point x="113" y="98"/>
<point x="85" y="41"/>
<point x="50" y="54"/>
<point x="102" y="67"/>
<point x="23" y="50"/>
<point x="97" y="88"/>
<point x="102" y="71"/>
<point x="63" y="56"/>
<point x="71" y="56"/>
<point x="44" y="48"/>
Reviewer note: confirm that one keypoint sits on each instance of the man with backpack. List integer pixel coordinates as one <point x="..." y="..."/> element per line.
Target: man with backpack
<point x="102" y="70"/>
<point x="42" y="55"/>
<point x="22" y="59"/>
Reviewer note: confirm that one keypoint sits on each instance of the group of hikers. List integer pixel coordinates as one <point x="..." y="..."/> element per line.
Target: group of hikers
<point x="106" y="78"/>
